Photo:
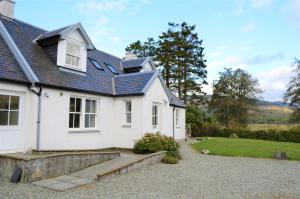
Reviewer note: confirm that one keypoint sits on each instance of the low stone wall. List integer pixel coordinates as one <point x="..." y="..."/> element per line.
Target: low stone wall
<point x="111" y="149"/>
<point x="139" y="163"/>
<point x="47" y="166"/>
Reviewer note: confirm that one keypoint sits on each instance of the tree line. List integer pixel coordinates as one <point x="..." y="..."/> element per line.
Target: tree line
<point x="179" y="55"/>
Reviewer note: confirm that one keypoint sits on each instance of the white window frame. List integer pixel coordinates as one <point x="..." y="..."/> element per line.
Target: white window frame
<point x="91" y="113"/>
<point x="75" y="112"/>
<point x="79" y="57"/>
<point x="9" y="110"/>
<point x="155" y="116"/>
<point x="177" y="117"/>
<point x="62" y="54"/>
<point x="127" y="112"/>
<point x="83" y="114"/>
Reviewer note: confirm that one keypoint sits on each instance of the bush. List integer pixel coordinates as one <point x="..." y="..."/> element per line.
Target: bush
<point x="291" y="135"/>
<point x="233" y="136"/>
<point x="152" y="143"/>
<point x="169" y="160"/>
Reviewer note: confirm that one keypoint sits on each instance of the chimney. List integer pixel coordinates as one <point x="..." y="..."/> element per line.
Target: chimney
<point x="7" y="8"/>
<point x="130" y="55"/>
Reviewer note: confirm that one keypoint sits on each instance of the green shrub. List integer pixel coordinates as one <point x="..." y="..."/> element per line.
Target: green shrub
<point x="152" y="143"/>
<point x="233" y="136"/>
<point x="169" y="160"/>
<point x="291" y="135"/>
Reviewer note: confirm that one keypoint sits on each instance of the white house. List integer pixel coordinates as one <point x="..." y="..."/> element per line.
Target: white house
<point x="57" y="91"/>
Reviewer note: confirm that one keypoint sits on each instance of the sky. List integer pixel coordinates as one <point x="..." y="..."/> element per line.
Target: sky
<point x="260" y="36"/>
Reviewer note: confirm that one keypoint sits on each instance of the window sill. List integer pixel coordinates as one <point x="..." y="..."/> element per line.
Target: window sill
<point x="178" y="127"/>
<point x="126" y="126"/>
<point x="84" y="131"/>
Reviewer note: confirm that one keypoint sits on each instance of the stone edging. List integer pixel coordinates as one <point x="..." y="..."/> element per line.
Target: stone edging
<point x="136" y="164"/>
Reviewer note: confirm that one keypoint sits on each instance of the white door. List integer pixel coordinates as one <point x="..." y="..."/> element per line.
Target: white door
<point x="10" y="131"/>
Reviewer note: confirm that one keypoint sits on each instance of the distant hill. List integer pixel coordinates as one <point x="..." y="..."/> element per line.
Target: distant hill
<point x="267" y="112"/>
<point x="276" y="103"/>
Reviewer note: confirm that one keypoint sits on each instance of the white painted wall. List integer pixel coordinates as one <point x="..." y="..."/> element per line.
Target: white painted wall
<point x="23" y="136"/>
<point x="110" y="129"/>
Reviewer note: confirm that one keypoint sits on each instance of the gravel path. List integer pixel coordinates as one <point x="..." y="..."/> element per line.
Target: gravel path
<point x="196" y="176"/>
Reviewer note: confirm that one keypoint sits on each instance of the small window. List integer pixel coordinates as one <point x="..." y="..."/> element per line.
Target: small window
<point x="74" y="112"/>
<point x="90" y="113"/>
<point x="96" y="64"/>
<point x="128" y="112"/>
<point x="9" y="110"/>
<point x="154" y="115"/>
<point x="177" y="118"/>
<point x="112" y="69"/>
<point x="73" y="54"/>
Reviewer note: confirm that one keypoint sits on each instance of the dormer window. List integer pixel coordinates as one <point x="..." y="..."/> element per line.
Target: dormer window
<point x="73" y="54"/>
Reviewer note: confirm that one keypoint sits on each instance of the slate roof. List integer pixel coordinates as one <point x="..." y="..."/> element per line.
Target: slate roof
<point x="133" y="83"/>
<point x="133" y="63"/>
<point x="43" y="63"/>
<point x="52" y="33"/>
<point x="9" y="68"/>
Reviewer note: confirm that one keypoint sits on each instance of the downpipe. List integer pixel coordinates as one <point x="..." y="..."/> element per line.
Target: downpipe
<point x="38" y="122"/>
<point x="173" y="123"/>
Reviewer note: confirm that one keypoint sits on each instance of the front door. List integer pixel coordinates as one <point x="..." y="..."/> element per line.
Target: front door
<point x="10" y="131"/>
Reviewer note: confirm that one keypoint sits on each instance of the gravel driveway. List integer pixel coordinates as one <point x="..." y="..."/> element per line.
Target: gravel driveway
<point x="196" y="176"/>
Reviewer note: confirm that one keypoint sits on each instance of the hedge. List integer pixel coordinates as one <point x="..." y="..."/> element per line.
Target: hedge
<point x="291" y="135"/>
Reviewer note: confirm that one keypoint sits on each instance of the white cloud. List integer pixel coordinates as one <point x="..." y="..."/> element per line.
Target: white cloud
<point x="263" y="59"/>
<point x="249" y="27"/>
<point x="227" y="62"/>
<point x="261" y="3"/>
<point x="274" y="82"/>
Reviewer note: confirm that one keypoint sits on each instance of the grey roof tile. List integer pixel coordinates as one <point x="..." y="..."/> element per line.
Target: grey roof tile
<point x="133" y="83"/>
<point x="9" y="67"/>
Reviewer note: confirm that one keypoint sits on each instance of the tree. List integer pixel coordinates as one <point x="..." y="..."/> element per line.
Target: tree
<point x="292" y="94"/>
<point x="178" y="52"/>
<point x="146" y="49"/>
<point x="233" y="95"/>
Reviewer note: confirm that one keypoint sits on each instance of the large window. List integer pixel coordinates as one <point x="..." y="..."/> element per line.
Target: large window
<point x="9" y="110"/>
<point x="73" y="54"/>
<point x="90" y="113"/>
<point x="75" y="112"/>
<point x="154" y="115"/>
<point x="85" y="107"/>
<point x="128" y="112"/>
<point x="177" y="118"/>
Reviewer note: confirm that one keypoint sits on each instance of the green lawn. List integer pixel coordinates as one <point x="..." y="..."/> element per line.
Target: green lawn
<point x="248" y="147"/>
<point x="256" y="127"/>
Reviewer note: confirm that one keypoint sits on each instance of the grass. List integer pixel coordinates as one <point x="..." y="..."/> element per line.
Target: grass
<point x="248" y="147"/>
<point x="255" y="127"/>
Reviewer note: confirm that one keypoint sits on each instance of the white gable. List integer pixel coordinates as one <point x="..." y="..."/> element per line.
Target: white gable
<point x="76" y="36"/>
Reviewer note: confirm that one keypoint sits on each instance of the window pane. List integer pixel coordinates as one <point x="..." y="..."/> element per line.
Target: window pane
<point x="72" y="104"/>
<point x="92" y="121"/>
<point x="14" y="103"/>
<point x="3" y="117"/>
<point x="4" y="101"/>
<point x="78" y="105"/>
<point x="71" y="119"/>
<point x="128" y="106"/>
<point x="128" y="118"/>
<point x="76" y="120"/>
<point x="87" y="121"/>
<point x="87" y="106"/>
<point x="93" y="108"/>
<point x="13" y="117"/>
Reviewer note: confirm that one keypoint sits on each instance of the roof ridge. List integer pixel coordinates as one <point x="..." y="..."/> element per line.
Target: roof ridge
<point x="124" y="60"/>
<point x="139" y="73"/>
<point x="28" y="24"/>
